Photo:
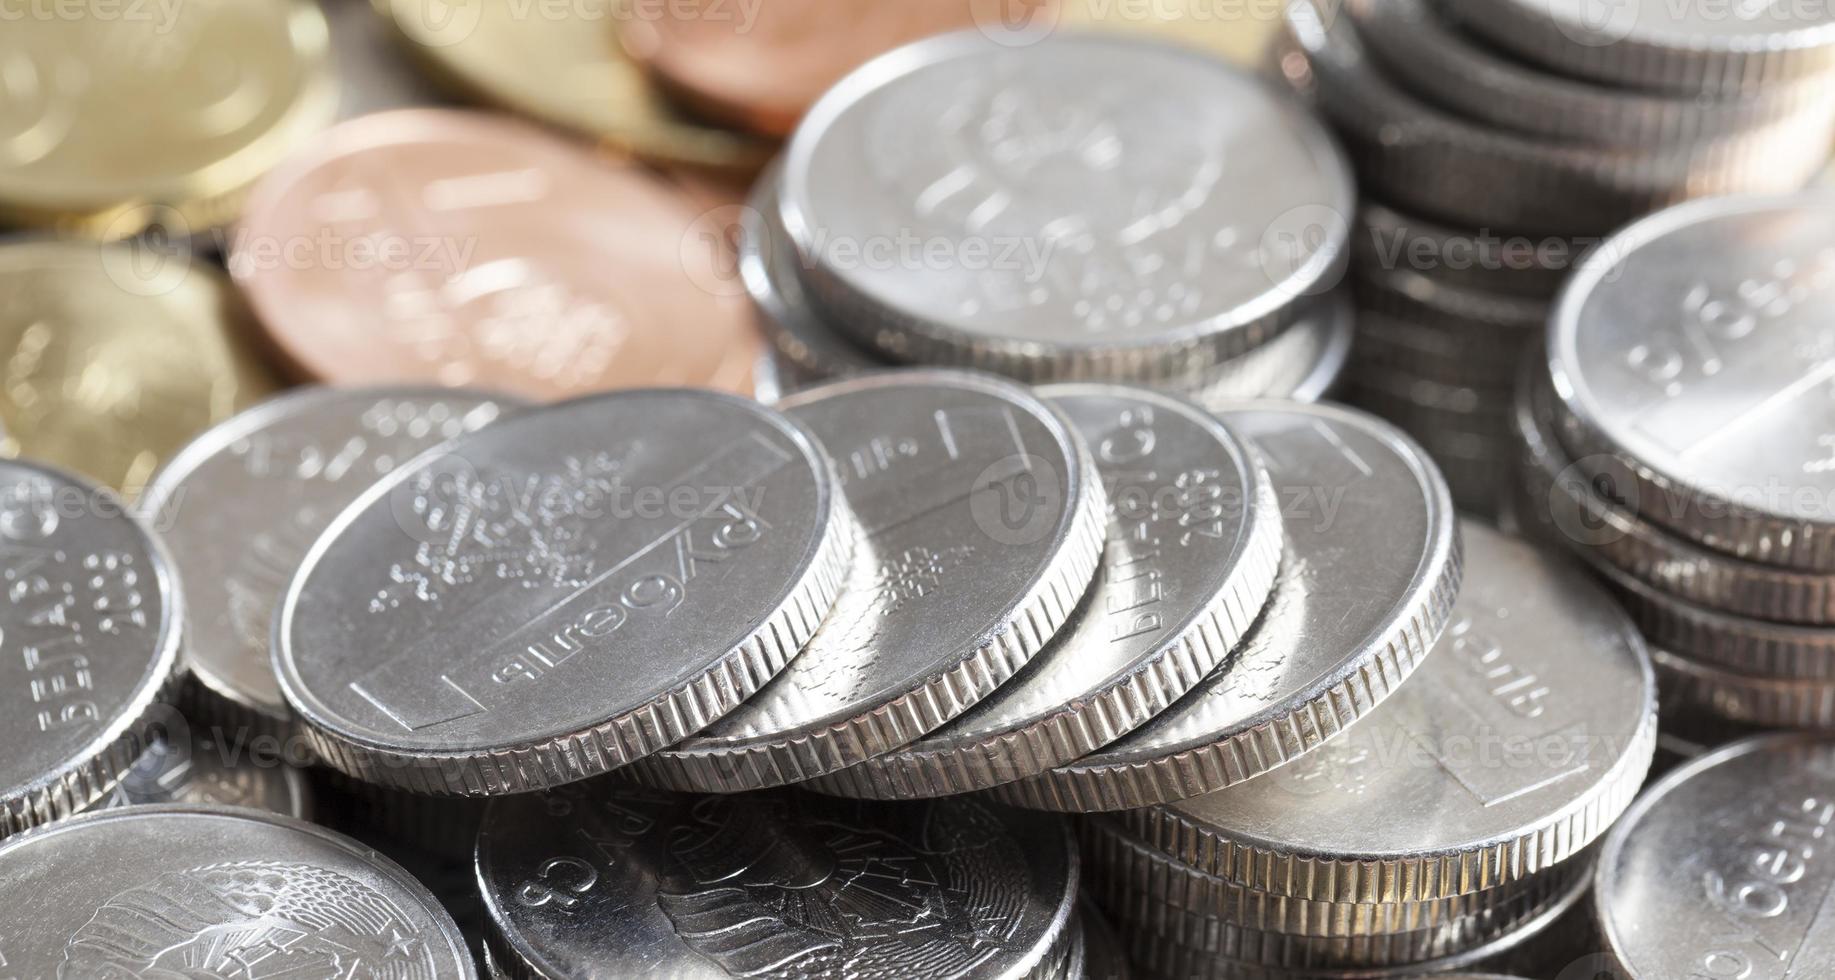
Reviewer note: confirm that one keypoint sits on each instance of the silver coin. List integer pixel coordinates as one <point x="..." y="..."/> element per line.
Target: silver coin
<point x="1103" y="955"/>
<point x="602" y="882"/>
<point x="205" y="891"/>
<point x="1485" y="260"/>
<point x="1698" y="351"/>
<point x="1194" y="540"/>
<point x="1719" y="869"/>
<point x="1304" y="362"/>
<point x="374" y="73"/>
<point x="1688" y="48"/>
<point x="968" y="202"/>
<point x="1417" y="42"/>
<point x="562" y="592"/>
<point x="982" y="514"/>
<point x="1386" y="343"/>
<point x="1734" y="643"/>
<point x="1744" y="699"/>
<point x="270" y="480"/>
<point x="1515" y="746"/>
<point x="1432" y="163"/>
<point x="1563" y="503"/>
<point x="206" y="773"/>
<point x="1366" y="583"/>
<point x="91" y="614"/>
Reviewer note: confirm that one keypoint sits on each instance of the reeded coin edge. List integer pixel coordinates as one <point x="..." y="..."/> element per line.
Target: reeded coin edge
<point x="1736" y="644"/>
<point x="1761" y="702"/>
<point x="708" y="766"/>
<point x="1099" y="717"/>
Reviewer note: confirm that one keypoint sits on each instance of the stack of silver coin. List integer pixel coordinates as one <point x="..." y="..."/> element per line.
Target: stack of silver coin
<point x="1677" y="435"/>
<point x="971" y="201"/>
<point x="1498" y="142"/>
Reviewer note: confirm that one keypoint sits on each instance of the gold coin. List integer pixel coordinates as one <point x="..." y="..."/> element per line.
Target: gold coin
<point x="1238" y="30"/>
<point x="559" y="61"/>
<point x="112" y="113"/>
<point x="114" y="356"/>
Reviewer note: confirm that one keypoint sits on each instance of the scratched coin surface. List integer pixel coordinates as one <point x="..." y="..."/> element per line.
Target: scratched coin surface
<point x="982" y="517"/>
<point x="1696" y="354"/>
<point x="561" y="63"/>
<point x="1366" y="584"/>
<point x="602" y="882"/>
<point x="111" y="365"/>
<point x="270" y="480"/>
<point x="109" y="110"/>
<point x="91" y="617"/>
<point x="1721" y="866"/>
<point x="198" y="891"/>
<point x="1194" y="539"/>
<point x="450" y="247"/>
<point x="1049" y="230"/>
<point x="562" y="591"/>
<point x="220" y="774"/>
<point x="1519" y="741"/>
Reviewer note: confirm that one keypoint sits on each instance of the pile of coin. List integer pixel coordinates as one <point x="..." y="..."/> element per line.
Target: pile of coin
<point x="1048" y="232"/>
<point x="1499" y="140"/>
<point x="1676" y="435"/>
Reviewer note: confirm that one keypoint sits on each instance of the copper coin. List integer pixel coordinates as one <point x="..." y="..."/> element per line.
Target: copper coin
<point x="759" y="66"/>
<point x="452" y="247"/>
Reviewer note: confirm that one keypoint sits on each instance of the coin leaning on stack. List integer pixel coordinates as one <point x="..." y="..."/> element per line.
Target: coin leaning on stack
<point x="1495" y="165"/>
<point x="1675" y="435"/>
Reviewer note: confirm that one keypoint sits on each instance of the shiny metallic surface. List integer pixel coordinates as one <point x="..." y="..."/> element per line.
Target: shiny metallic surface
<point x="1104" y="957"/>
<point x="206" y="774"/>
<point x="1498" y="262"/>
<point x="272" y="479"/>
<point x="92" y="615"/>
<point x="1735" y="643"/>
<point x="372" y="74"/>
<point x="1305" y="362"/>
<point x="809" y="350"/>
<point x="1696" y="354"/>
<point x="982" y="515"/>
<point x="562" y="592"/>
<point x="1062" y="232"/>
<point x="1367" y="580"/>
<point x="1719" y="863"/>
<point x="1518" y="742"/>
<point x="1692" y="689"/>
<point x="1194" y="541"/>
<point x="603" y="881"/>
<point x="210" y="891"/>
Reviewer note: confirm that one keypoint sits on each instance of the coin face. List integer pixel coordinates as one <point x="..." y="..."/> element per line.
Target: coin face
<point x="1525" y="732"/>
<point x="1037" y="211"/>
<point x="91" y="616"/>
<point x="457" y="248"/>
<point x="207" y="774"/>
<point x="110" y="366"/>
<point x="162" y="104"/>
<point x="1371" y="562"/>
<point x="1193" y="541"/>
<point x="600" y="882"/>
<point x="981" y="517"/>
<point x="1720" y="866"/>
<point x="1699" y="346"/>
<point x="561" y="63"/>
<point x="272" y="479"/>
<point x="212" y="892"/>
<point x="616" y="571"/>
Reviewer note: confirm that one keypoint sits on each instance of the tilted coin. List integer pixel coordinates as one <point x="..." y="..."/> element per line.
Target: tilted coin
<point x="1691" y="49"/>
<point x="373" y="76"/>
<point x="1735" y="643"/>
<point x="1046" y="231"/>
<point x="204" y="773"/>
<point x="1515" y="746"/>
<point x="110" y="121"/>
<point x="1419" y="42"/>
<point x="92" y="619"/>
<point x="1697" y="689"/>
<point x="112" y="365"/>
<point x="604" y="881"/>
<point x="562" y="592"/>
<point x="1565" y="503"/>
<point x="271" y="479"/>
<point x="1194" y="540"/>
<point x="561" y="64"/>
<point x="1697" y="353"/>
<point x="1723" y="866"/>
<point x="443" y="246"/>
<point x="1435" y="164"/>
<point x="1366" y="583"/>
<point x="981" y="513"/>
<point x="211" y="891"/>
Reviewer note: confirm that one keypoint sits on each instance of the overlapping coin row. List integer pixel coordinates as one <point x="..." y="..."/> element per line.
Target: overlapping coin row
<point x="1500" y="141"/>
